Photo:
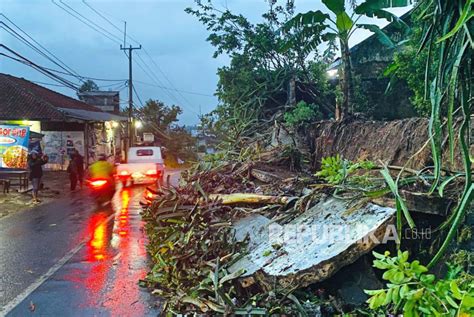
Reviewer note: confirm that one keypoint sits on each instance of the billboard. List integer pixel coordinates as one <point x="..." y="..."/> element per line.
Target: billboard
<point x="14" y="146"/>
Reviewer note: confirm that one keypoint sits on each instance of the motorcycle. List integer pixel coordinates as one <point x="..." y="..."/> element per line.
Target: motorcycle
<point x="102" y="190"/>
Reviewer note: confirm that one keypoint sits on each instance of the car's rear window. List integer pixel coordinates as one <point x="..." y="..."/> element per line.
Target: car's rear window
<point x="145" y="152"/>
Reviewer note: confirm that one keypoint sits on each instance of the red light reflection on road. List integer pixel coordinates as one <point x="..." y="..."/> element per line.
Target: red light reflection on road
<point x="122" y="223"/>
<point x="131" y="246"/>
<point x="97" y="254"/>
<point x="97" y="231"/>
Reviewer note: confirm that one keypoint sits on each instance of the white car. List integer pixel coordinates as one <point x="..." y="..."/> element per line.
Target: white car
<point x="144" y="165"/>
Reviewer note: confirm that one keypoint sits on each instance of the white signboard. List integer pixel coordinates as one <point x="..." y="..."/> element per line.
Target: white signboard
<point x="59" y="145"/>
<point x="148" y="137"/>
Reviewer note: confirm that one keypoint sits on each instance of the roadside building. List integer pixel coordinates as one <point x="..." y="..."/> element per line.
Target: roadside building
<point x="107" y="101"/>
<point x="63" y="122"/>
<point x="370" y="58"/>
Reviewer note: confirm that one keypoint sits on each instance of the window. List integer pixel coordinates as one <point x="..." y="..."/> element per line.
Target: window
<point x="145" y="152"/>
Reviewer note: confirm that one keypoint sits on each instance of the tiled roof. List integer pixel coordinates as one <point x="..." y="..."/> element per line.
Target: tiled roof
<point x="22" y="99"/>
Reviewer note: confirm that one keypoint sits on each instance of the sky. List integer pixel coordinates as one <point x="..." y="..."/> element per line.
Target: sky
<point x="175" y="64"/>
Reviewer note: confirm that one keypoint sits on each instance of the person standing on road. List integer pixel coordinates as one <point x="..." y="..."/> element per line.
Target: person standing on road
<point x="73" y="172"/>
<point x="35" y="165"/>
<point x="80" y="166"/>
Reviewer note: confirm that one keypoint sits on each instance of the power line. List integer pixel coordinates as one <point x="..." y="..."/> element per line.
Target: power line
<point x="38" y="68"/>
<point x="168" y="88"/>
<point x="136" y="94"/>
<point x="160" y="84"/>
<point x="166" y="77"/>
<point x="69" y="69"/>
<point x="90" y="21"/>
<point x="103" y="17"/>
<point x="145" y="67"/>
<point x="48" y="84"/>
<point x="28" y="62"/>
<point x="82" y="21"/>
<point x="87" y="77"/>
<point x="26" y="42"/>
<point x="155" y="78"/>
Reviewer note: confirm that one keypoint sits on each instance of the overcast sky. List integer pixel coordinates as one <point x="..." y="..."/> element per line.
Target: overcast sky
<point x="180" y="57"/>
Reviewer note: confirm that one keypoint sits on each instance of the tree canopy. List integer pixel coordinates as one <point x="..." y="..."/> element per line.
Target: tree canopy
<point x="88" y="85"/>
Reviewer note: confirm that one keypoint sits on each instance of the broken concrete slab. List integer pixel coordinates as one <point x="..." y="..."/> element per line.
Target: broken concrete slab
<point x="313" y="246"/>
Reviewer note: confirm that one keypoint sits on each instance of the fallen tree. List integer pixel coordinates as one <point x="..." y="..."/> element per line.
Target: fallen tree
<point x="209" y="238"/>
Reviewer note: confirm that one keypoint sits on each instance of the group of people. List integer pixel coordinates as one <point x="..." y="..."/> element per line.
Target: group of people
<point x="75" y="169"/>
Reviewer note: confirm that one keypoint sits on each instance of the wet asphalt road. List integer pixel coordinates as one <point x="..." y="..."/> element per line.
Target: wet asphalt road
<point x="71" y="258"/>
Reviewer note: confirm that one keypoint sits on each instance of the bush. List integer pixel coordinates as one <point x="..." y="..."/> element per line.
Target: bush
<point x="411" y="290"/>
<point x="302" y="115"/>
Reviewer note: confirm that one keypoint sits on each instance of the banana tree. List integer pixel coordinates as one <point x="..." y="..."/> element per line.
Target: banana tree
<point x="340" y="29"/>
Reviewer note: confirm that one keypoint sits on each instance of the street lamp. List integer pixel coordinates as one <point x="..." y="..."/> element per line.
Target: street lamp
<point x="138" y="124"/>
<point x="332" y="73"/>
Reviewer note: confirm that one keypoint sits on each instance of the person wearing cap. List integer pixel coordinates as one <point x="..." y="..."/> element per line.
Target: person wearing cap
<point x="35" y="165"/>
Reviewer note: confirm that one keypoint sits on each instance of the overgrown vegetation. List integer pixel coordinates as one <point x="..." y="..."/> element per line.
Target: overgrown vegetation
<point x="409" y="64"/>
<point x="340" y="30"/>
<point x="336" y="170"/>
<point x="261" y="80"/>
<point x="302" y="115"/>
<point x="192" y="245"/>
<point x="411" y="290"/>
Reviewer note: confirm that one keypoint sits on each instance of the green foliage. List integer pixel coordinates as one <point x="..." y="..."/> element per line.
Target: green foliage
<point x="88" y="85"/>
<point x="159" y="119"/>
<point x="400" y="203"/>
<point x="447" y="41"/>
<point x="413" y="292"/>
<point x="181" y="144"/>
<point x="332" y="169"/>
<point x="306" y="25"/>
<point x="302" y="115"/>
<point x="157" y="116"/>
<point x="410" y="66"/>
<point x="448" y="35"/>
<point x="335" y="170"/>
<point x="253" y="88"/>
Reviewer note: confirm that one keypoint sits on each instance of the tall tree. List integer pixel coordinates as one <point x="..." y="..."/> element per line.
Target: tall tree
<point x="253" y="89"/>
<point x="158" y="117"/>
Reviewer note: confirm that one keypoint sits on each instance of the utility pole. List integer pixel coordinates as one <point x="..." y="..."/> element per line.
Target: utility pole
<point x="130" y="92"/>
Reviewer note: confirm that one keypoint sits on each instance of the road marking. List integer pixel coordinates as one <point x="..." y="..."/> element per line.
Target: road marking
<point x="30" y="289"/>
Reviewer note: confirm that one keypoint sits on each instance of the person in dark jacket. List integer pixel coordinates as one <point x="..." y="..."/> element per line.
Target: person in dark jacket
<point x="72" y="170"/>
<point x="79" y="159"/>
<point x="76" y="169"/>
<point x="35" y="164"/>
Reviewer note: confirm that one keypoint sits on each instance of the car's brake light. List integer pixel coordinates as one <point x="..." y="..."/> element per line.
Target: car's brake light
<point x="124" y="172"/>
<point x="98" y="183"/>
<point x="151" y="172"/>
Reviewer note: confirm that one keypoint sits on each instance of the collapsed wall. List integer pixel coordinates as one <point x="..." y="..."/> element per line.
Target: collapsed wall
<point x="392" y="142"/>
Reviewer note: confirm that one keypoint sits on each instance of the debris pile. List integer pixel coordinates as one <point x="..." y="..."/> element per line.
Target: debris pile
<point x="212" y="249"/>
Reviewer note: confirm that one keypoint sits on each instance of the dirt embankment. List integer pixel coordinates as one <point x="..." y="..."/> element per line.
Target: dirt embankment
<point x="392" y="142"/>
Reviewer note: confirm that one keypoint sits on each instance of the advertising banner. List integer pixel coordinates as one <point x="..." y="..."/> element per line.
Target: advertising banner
<point x="14" y="146"/>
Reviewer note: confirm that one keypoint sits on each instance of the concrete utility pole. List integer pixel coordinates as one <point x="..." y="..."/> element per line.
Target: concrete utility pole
<point x="130" y="92"/>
